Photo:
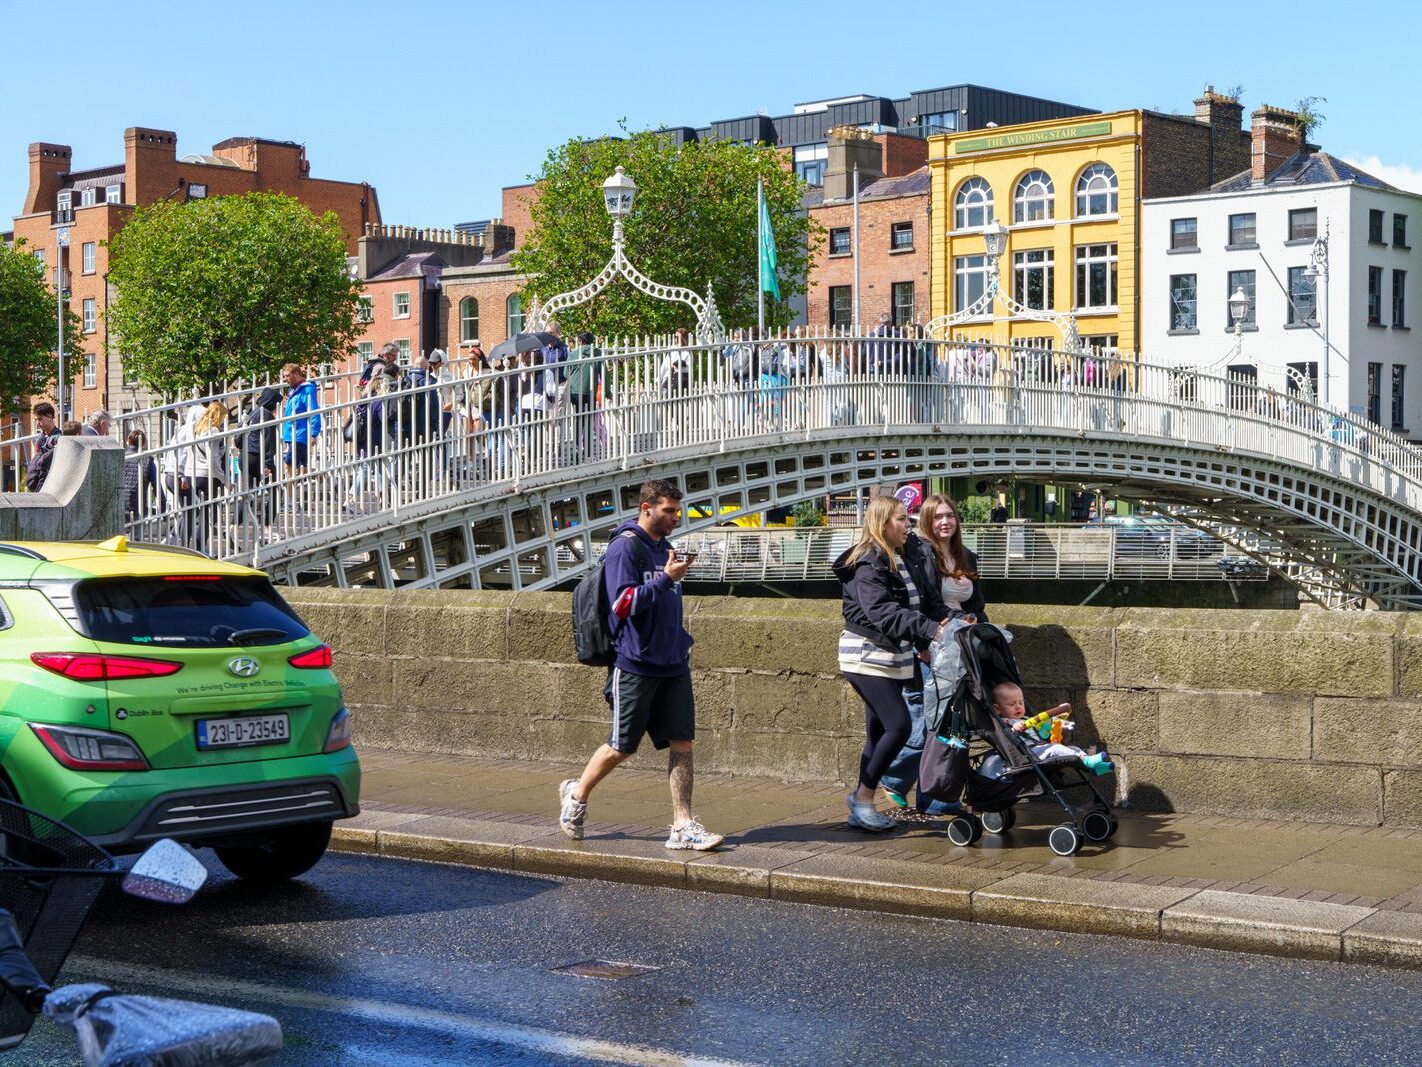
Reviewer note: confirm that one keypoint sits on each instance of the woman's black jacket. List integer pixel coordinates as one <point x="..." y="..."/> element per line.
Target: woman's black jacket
<point x="974" y="605"/>
<point x="876" y="600"/>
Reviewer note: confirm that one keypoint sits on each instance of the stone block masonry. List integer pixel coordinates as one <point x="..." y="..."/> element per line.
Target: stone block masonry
<point x="1260" y="714"/>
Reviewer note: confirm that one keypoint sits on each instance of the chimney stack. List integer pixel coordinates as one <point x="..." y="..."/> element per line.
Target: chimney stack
<point x="1274" y="138"/>
<point x="48" y="164"/>
<point x="848" y="147"/>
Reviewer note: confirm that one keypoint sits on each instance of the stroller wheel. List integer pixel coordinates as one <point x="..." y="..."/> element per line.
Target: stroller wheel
<point x="1098" y="825"/>
<point x="998" y="822"/>
<point x="1064" y="839"/>
<point x="964" y="830"/>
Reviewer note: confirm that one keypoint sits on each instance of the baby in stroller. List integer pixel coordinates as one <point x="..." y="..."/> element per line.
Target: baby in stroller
<point x="976" y="697"/>
<point x="1010" y="704"/>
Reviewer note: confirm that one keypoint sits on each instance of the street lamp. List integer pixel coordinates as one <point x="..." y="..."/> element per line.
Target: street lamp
<point x="61" y="242"/>
<point x="618" y="194"/>
<point x="1318" y="268"/>
<point x="995" y="241"/>
<point x="1238" y="310"/>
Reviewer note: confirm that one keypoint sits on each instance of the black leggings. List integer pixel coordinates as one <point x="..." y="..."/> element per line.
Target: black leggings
<point x="886" y="724"/>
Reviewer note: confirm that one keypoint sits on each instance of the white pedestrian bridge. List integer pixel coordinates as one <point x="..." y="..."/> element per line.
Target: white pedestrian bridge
<point x="512" y="478"/>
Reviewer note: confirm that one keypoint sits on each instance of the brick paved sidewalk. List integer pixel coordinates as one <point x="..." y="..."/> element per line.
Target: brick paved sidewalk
<point x="1162" y="875"/>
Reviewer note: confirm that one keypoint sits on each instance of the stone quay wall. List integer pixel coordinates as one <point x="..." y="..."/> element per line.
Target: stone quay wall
<point x="1261" y="714"/>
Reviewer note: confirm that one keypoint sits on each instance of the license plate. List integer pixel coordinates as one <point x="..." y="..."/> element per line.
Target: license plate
<point x="243" y="731"/>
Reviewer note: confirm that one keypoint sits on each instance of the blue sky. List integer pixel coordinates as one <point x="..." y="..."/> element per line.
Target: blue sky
<point x="439" y="104"/>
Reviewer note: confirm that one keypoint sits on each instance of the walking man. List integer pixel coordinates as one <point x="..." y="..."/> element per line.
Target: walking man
<point x="649" y="684"/>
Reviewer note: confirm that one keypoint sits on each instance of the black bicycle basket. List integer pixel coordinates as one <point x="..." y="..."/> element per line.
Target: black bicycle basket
<point x="49" y="907"/>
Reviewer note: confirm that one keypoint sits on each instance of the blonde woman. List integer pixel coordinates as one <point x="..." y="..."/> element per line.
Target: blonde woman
<point x="207" y="467"/>
<point x="892" y="610"/>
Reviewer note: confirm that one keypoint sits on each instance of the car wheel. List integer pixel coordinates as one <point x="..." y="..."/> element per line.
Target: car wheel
<point x="278" y="855"/>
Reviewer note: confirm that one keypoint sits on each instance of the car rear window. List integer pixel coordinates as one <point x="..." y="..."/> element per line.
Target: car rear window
<point x="181" y="612"/>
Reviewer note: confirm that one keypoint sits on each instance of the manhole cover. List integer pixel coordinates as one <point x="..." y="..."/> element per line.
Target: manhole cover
<point x="610" y="970"/>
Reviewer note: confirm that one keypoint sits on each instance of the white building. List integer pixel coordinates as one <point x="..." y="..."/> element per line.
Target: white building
<point x="1260" y="231"/>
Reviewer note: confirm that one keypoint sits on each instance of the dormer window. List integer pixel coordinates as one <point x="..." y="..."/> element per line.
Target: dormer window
<point x="86" y="197"/>
<point x="113" y="194"/>
<point x="65" y="201"/>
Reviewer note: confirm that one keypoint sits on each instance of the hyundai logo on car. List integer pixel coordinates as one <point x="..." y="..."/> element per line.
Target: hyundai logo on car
<point x="244" y="667"/>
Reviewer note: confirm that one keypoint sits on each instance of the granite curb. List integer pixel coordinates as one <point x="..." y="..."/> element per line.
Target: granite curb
<point x="1207" y="918"/>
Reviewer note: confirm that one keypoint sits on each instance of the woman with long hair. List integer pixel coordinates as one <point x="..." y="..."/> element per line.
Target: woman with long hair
<point x="892" y="610"/>
<point x="952" y="567"/>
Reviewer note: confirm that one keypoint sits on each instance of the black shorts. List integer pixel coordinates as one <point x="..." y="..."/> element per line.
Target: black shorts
<point x="663" y="708"/>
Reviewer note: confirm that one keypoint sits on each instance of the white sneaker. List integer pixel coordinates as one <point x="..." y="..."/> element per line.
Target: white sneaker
<point x="867" y="817"/>
<point x="693" y="835"/>
<point x="572" y="812"/>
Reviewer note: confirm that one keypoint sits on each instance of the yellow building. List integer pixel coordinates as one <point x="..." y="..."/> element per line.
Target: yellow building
<point x="1068" y="191"/>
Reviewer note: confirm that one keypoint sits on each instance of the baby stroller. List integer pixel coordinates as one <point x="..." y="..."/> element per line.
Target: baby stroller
<point x="964" y="715"/>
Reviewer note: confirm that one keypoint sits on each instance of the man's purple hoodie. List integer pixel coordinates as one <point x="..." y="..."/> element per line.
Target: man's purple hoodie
<point x="645" y="605"/>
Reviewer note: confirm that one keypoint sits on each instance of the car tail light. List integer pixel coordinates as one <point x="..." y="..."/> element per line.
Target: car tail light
<point x="80" y="749"/>
<point x="339" y="735"/>
<point x="90" y="668"/>
<point x="313" y="659"/>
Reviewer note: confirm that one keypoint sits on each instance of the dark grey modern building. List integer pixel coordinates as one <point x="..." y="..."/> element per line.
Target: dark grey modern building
<point x="920" y="114"/>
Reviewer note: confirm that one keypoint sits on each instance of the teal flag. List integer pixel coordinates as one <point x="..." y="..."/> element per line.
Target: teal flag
<point x="769" y="283"/>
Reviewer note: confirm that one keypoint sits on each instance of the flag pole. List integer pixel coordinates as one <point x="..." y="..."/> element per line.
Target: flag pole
<point x="759" y="253"/>
<point x="856" y="248"/>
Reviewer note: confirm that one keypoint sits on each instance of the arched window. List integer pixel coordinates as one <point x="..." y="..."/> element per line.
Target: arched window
<point x="972" y="208"/>
<point x="515" y="306"/>
<point x="469" y="319"/>
<point x="1034" y="198"/>
<point x="1096" y="191"/>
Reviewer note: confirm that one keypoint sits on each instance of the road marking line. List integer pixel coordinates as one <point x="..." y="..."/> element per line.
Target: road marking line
<point x="529" y="1037"/>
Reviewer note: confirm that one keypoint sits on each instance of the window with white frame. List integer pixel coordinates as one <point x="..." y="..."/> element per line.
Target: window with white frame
<point x="972" y="207"/>
<point x="839" y="241"/>
<point x="39" y="257"/>
<point x="1242" y="230"/>
<point x="1101" y="344"/>
<point x="113" y="194"/>
<point x="514" y="306"/>
<point x="1183" y="302"/>
<point x="401" y="306"/>
<point x="86" y="257"/>
<point x="1096" y="276"/>
<point x="64" y="201"/>
<point x="365" y="350"/>
<point x="91" y="370"/>
<point x="1034" y="278"/>
<point x="970" y="275"/>
<point x="903" y="303"/>
<point x="900" y="236"/>
<point x="1097" y="191"/>
<point x="469" y="319"/>
<point x="86" y="197"/>
<point x="841" y="306"/>
<point x="1033" y="199"/>
<point x="365" y="309"/>
<point x="1303" y="298"/>
<point x="91" y="314"/>
<point x="403" y="344"/>
<point x="1303" y="224"/>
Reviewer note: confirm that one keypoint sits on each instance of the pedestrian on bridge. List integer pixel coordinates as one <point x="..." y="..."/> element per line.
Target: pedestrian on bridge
<point x="892" y="610"/>
<point x="298" y="433"/>
<point x="649" y="684"/>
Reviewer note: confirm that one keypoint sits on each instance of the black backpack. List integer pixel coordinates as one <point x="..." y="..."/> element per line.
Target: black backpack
<point x="592" y="634"/>
<point x="37" y="470"/>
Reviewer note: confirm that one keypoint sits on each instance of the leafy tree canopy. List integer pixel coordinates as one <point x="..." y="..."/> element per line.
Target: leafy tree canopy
<point x="28" y="328"/>
<point x="693" y="223"/>
<point x="227" y="287"/>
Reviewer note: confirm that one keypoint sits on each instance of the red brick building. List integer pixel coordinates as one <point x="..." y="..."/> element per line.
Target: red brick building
<point x="893" y="239"/>
<point x="94" y="204"/>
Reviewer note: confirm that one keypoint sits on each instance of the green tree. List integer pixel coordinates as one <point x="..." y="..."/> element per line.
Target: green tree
<point x="1310" y="117"/>
<point x="28" y="329"/>
<point x="227" y="287"/>
<point x="693" y="223"/>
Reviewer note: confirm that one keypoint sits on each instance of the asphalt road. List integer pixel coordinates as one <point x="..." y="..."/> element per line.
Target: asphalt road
<point x="390" y="962"/>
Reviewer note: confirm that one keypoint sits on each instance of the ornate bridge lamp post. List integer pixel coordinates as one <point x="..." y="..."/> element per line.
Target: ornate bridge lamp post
<point x="1318" y="268"/>
<point x="619" y="193"/>
<point x="995" y="244"/>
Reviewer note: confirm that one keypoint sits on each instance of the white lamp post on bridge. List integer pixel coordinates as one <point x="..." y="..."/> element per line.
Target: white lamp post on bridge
<point x="995" y="244"/>
<point x="619" y="193"/>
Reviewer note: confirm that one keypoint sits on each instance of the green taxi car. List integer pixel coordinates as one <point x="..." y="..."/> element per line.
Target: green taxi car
<point x="150" y="692"/>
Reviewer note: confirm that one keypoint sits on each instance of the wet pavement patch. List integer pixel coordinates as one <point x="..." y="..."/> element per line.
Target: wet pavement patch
<point x="608" y="970"/>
